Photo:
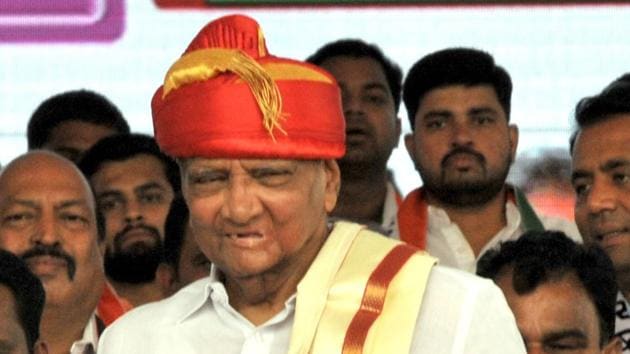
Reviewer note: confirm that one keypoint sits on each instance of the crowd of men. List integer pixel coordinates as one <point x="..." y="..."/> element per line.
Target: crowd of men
<point x="262" y="217"/>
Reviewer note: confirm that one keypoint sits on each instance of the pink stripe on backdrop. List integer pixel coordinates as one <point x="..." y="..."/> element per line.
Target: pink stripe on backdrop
<point x="47" y="7"/>
<point x="61" y="21"/>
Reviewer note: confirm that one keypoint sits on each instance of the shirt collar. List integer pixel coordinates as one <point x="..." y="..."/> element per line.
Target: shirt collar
<point x="90" y="337"/>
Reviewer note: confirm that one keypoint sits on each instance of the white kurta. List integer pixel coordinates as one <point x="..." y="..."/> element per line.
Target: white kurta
<point x="460" y="313"/>
<point x="446" y="241"/>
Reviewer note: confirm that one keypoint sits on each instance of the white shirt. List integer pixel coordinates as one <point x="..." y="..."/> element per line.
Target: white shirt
<point x="389" y="221"/>
<point x="90" y="337"/>
<point x="460" y="313"/>
<point x="446" y="241"/>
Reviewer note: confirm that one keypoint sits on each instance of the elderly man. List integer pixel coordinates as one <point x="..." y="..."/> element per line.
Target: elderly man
<point x="47" y="218"/>
<point x="256" y="137"/>
<point x="601" y="178"/>
<point x="21" y="305"/>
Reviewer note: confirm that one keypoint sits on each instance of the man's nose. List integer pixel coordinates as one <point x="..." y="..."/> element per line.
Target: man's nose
<point x="461" y="134"/>
<point x="46" y="230"/>
<point x="133" y="211"/>
<point x="601" y="197"/>
<point x="352" y="105"/>
<point x="241" y="204"/>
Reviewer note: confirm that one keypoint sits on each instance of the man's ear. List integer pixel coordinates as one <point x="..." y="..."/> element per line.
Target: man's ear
<point x="333" y="183"/>
<point x="613" y="347"/>
<point x="513" y="132"/>
<point x="410" y="145"/>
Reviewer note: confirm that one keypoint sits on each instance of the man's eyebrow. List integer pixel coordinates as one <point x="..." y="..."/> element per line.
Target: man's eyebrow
<point x="71" y="203"/>
<point x="482" y="110"/>
<point x="437" y="113"/>
<point x="109" y="193"/>
<point x="23" y="202"/>
<point x="376" y="85"/>
<point x="149" y="185"/>
<point x="566" y="334"/>
<point x="577" y="174"/>
<point x="614" y="163"/>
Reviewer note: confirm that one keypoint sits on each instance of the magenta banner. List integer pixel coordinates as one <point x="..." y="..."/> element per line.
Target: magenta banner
<point x="61" y="21"/>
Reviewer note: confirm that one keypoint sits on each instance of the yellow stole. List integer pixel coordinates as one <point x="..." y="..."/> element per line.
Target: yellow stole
<point x="339" y="291"/>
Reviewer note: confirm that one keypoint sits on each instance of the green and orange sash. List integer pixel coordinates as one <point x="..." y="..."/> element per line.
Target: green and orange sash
<point x="357" y="298"/>
<point x="413" y="219"/>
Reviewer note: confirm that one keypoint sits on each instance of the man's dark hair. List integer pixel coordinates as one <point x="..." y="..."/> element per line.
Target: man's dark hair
<point x="81" y="105"/>
<point x="28" y="293"/>
<point x="121" y="147"/>
<point x="174" y="231"/>
<point x="614" y="99"/>
<point x="539" y="257"/>
<point x="455" y="66"/>
<point x="357" y="48"/>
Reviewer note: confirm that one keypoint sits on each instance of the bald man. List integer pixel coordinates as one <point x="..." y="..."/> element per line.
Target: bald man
<point x="47" y="217"/>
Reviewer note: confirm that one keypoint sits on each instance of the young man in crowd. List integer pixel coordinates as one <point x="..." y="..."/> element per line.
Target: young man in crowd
<point x="562" y="293"/>
<point x="71" y="122"/>
<point x="48" y="218"/>
<point x="462" y="144"/>
<point x="257" y="138"/>
<point x="21" y="304"/>
<point x="133" y="183"/>
<point x="370" y="86"/>
<point x="600" y="151"/>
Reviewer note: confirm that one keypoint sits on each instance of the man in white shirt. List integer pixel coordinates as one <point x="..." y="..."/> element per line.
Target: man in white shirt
<point x="462" y="144"/>
<point x="47" y="217"/>
<point x="370" y="86"/>
<point x="601" y="179"/>
<point x="256" y="137"/>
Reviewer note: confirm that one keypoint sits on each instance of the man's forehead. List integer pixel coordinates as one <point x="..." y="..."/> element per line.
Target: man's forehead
<point x="43" y="175"/>
<point x="136" y="169"/>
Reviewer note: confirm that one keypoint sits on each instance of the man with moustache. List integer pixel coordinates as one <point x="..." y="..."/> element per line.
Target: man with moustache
<point x="600" y="150"/>
<point x="47" y="217"/>
<point x="134" y="184"/>
<point x="462" y="144"/>
<point x="257" y="137"/>
<point x="370" y="86"/>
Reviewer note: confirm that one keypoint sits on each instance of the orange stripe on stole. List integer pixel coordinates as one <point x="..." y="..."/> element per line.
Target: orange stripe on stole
<point x="374" y="297"/>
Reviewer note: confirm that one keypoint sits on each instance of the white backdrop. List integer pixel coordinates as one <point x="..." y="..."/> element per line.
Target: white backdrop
<point x="555" y="55"/>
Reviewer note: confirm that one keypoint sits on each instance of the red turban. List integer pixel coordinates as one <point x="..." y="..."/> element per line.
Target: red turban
<point x="227" y="97"/>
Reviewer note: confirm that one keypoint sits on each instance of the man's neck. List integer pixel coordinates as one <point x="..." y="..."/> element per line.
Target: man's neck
<point x="362" y="199"/>
<point x="61" y="327"/>
<point x="477" y="223"/>
<point x="139" y="294"/>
